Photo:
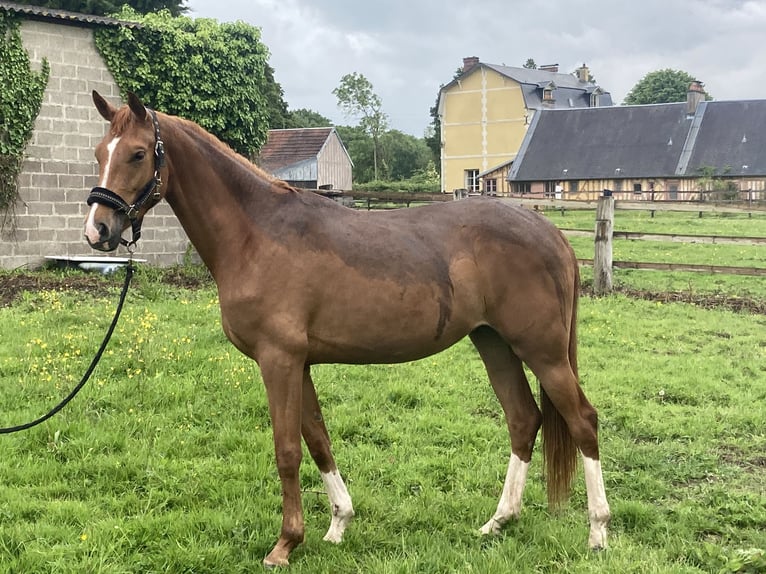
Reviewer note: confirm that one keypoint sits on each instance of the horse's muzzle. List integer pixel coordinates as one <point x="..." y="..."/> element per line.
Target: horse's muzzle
<point x="104" y="233"/>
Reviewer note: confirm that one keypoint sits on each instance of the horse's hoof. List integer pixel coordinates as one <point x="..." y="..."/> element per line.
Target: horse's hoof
<point x="270" y="562"/>
<point x="491" y="528"/>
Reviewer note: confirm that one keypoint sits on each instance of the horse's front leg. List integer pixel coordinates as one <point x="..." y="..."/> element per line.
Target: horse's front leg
<point x="318" y="441"/>
<point x="283" y="377"/>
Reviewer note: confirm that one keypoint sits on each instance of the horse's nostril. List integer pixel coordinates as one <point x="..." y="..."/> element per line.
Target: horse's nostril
<point x="103" y="231"/>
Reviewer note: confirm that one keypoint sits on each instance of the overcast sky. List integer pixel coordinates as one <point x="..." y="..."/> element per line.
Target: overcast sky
<point x="408" y="48"/>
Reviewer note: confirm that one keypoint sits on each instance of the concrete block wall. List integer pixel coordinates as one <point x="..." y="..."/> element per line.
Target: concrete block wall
<point x="60" y="168"/>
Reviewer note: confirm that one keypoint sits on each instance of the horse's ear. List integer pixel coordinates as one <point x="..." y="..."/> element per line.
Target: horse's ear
<point x="104" y="108"/>
<point x="136" y="106"/>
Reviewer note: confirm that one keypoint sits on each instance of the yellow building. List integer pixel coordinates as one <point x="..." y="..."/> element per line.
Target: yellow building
<point x="485" y="112"/>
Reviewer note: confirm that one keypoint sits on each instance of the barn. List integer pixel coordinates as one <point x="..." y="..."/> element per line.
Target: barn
<point x="310" y="158"/>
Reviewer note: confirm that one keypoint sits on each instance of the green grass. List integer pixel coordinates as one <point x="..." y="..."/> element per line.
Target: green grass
<point x="682" y="223"/>
<point x="671" y="252"/>
<point x="165" y="462"/>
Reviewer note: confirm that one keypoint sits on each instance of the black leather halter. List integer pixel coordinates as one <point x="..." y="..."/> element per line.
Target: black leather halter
<point x="151" y="190"/>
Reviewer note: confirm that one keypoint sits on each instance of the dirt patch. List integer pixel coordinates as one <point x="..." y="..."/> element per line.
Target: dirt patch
<point x="732" y="454"/>
<point x="707" y="301"/>
<point x="12" y="285"/>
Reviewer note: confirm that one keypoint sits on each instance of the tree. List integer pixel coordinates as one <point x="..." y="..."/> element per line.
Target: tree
<point x="530" y="64"/>
<point x="303" y="118"/>
<point x="215" y="74"/>
<point x="279" y="117"/>
<point x="109" y="7"/>
<point x="404" y="155"/>
<point x="661" y="87"/>
<point x="359" y="146"/>
<point x="356" y="99"/>
<point x="433" y="136"/>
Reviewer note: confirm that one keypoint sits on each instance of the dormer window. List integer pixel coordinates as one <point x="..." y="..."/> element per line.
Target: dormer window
<point x="548" y="88"/>
<point x="595" y="97"/>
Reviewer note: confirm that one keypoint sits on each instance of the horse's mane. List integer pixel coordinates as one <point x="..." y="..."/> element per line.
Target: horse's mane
<point x="124" y="118"/>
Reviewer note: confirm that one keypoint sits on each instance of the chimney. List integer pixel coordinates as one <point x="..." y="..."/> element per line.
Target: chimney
<point x="694" y="96"/>
<point x="549" y="68"/>
<point x="469" y="63"/>
<point x="583" y="73"/>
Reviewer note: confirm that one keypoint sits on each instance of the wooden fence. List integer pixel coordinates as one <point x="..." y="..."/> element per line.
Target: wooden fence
<point x="383" y="199"/>
<point x="604" y="234"/>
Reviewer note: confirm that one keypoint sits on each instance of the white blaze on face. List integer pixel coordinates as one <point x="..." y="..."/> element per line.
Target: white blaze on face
<point x="91" y="232"/>
<point x="598" y="507"/>
<point x="510" y="500"/>
<point x="340" y="504"/>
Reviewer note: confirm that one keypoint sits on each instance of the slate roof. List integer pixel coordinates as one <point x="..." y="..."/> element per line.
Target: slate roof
<point x="658" y="140"/>
<point x="568" y="90"/>
<point x="41" y="13"/>
<point x="287" y="147"/>
<point x="732" y="134"/>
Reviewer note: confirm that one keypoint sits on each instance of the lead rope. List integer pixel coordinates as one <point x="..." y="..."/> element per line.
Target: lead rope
<point x="128" y="275"/>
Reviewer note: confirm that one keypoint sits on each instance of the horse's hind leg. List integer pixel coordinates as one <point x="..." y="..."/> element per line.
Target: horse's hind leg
<point x="561" y="388"/>
<point x="318" y="442"/>
<point x="522" y="416"/>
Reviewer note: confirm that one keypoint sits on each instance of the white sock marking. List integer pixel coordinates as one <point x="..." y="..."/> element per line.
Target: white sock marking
<point x="91" y="232"/>
<point x="340" y="505"/>
<point x="598" y="507"/>
<point x="509" y="505"/>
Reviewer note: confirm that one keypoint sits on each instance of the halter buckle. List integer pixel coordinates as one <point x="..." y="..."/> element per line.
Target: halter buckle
<point x="131" y="212"/>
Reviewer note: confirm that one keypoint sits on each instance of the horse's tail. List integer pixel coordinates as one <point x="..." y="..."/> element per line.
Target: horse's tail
<point x="559" y="448"/>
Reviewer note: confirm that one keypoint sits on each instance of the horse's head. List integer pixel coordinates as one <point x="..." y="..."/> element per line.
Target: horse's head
<point x="130" y="158"/>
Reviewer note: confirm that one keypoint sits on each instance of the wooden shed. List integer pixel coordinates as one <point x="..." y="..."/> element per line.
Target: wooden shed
<point x="311" y="158"/>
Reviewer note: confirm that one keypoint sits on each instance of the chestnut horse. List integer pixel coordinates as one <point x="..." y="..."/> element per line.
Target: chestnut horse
<point x="286" y="260"/>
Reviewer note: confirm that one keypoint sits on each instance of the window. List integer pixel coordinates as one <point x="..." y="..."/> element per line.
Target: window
<point x="617" y="185"/>
<point x="547" y="95"/>
<point x="522" y="187"/>
<point x="637" y="187"/>
<point x="472" y="180"/>
<point x="574" y="186"/>
<point x="550" y="189"/>
<point x="490" y="186"/>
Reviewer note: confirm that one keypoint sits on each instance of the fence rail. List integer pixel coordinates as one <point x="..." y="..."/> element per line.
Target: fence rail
<point x="604" y="234"/>
<point x="383" y="199"/>
<point x="722" y="269"/>
<point x="686" y="206"/>
<point x="672" y="237"/>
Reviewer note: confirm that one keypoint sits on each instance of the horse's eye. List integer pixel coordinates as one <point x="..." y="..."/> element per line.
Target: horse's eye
<point x="139" y="156"/>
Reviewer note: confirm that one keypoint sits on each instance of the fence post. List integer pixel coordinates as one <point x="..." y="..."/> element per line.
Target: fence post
<point x="602" y="259"/>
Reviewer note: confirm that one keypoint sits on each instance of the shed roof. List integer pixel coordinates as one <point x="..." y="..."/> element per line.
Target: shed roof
<point x="659" y="140"/>
<point x="290" y="146"/>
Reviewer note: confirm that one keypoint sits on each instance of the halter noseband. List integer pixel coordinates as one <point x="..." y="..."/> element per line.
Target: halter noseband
<point x="150" y="191"/>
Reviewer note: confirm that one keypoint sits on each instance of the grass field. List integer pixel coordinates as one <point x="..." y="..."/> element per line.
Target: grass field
<point x="165" y="462"/>
<point x="737" y="225"/>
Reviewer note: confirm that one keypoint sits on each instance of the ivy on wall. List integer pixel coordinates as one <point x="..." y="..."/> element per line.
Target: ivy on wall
<point x="21" y="94"/>
<point x="213" y="74"/>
